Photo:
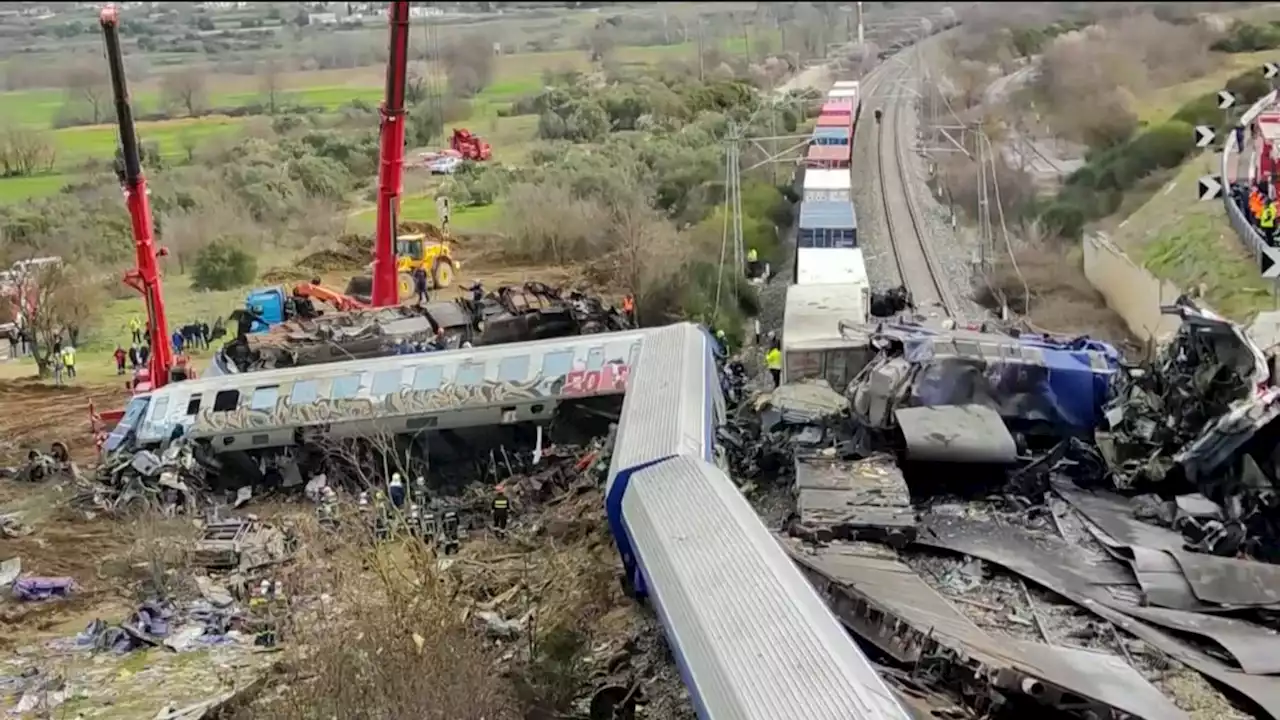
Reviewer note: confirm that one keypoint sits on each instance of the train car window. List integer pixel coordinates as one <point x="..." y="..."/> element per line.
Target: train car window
<point x="469" y="374"/>
<point x="386" y="382"/>
<point x="304" y="392"/>
<point x="513" y="369"/>
<point x="555" y="364"/>
<point x="345" y="387"/>
<point x="595" y="358"/>
<point x="226" y="401"/>
<point x="159" y="411"/>
<point x="193" y="405"/>
<point x="265" y="397"/>
<point x="428" y="378"/>
<point x="634" y="356"/>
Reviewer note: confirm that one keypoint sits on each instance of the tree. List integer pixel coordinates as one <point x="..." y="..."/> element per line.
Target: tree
<point x="186" y="88"/>
<point x="88" y="83"/>
<point x="270" y="77"/>
<point x="469" y="65"/>
<point x="53" y="300"/>
<point x="601" y="43"/>
<point x="25" y="151"/>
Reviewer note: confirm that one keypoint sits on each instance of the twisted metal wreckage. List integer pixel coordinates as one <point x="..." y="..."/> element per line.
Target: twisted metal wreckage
<point x="1171" y="465"/>
<point x="1171" y="462"/>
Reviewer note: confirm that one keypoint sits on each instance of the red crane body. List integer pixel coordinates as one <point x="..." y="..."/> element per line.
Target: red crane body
<point x="386" y="289"/>
<point x="145" y="278"/>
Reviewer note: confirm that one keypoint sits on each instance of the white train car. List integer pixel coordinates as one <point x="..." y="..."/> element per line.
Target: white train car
<point x="832" y="266"/>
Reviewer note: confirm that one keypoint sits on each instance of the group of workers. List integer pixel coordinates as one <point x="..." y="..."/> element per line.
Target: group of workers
<point x="413" y="509"/>
<point x="1261" y="204"/>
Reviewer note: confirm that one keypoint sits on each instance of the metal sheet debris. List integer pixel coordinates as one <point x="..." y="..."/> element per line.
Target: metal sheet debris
<point x="956" y="433"/>
<point x="853" y="500"/>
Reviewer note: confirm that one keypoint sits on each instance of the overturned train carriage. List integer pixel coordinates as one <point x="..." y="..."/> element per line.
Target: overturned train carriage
<point x="503" y="384"/>
<point x="723" y="588"/>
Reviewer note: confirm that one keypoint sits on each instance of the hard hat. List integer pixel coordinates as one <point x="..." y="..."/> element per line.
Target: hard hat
<point x="379" y="495"/>
<point x="420" y="480"/>
<point x="395" y="477"/>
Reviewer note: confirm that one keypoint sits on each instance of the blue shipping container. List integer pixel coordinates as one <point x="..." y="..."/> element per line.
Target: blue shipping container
<point x="827" y="224"/>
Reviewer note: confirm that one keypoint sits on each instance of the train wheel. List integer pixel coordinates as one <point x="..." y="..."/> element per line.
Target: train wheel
<point x="442" y="272"/>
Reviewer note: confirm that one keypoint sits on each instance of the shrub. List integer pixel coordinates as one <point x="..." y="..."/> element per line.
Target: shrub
<point x="1249" y="37"/>
<point x="222" y="265"/>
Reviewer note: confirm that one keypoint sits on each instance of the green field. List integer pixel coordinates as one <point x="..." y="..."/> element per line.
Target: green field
<point x="422" y="208"/>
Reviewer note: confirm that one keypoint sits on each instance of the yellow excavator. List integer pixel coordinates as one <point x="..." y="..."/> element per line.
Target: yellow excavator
<point x="431" y="251"/>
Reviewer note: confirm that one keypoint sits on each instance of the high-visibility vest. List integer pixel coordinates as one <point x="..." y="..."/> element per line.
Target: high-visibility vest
<point x="499" y="503"/>
<point x="628" y="304"/>
<point x="752" y="255"/>
<point x="1268" y="217"/>
<point x="773" y="359"/>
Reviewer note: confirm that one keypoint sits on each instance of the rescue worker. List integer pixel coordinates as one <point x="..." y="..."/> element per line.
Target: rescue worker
<point x="420" y="285"/>
<point x="773" y="361"/>
<point x="261" y="616"/>
<point x="420" y="490"/>
<point x="723" y="341"/>
<point x="629" y="308"/>
<point x="879" y="114"/>
<point x="248" y="317"/>
<point x="449" y="531"/>
<point x="119" y="358"/>
<point x="381" y="517"/>
<point x="1267" y="222"/>
<point x="69" y="360"/>
<point x="135" y="329"/>
<point x="753" y="264"/>
<point x="501" y="508"/>
<point x="396" y="490"/>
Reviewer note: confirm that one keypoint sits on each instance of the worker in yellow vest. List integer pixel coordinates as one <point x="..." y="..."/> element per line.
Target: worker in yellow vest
<point x="1267" y="221"/>
<point x="773" y="361"/>
<point x="753" y="264"/>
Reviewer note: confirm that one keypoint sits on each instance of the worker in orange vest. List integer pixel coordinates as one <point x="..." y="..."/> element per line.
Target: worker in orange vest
<point x="629" y="308"/>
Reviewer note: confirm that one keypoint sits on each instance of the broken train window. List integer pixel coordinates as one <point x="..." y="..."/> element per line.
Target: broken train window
<point x="428" y="378"/>
<point x="595" y="358"/>
<point x="226" y="401"/>
<point x="304" y="392"/>
<point x="469" y="374"/>
<point x="386" y="382"/>
<point x="345" y="387"/>
<point x="264" y="398"/>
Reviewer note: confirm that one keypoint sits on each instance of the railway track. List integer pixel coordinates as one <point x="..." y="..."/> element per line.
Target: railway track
<point x="916" y="262"/>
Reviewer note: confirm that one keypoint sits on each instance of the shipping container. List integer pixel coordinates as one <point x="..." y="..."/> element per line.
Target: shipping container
<point x="832" y="157"/>
<point x="846" y="85"/>
<point x="838" y="107"/>
<point x="832" y="135"/>
<point x="829" y="224"/>
<point x="813" y="346"/>
<point x="830" y="266"/>
<point x="823" y="185"/>
<point x="838" y="121"/>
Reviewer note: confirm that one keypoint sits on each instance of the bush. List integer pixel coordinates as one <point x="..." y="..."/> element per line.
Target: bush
<point x="222" y="265"/>
<point x="1249" y="37"/>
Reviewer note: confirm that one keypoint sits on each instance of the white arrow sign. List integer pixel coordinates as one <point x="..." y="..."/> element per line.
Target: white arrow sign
<point x="1270" y="70"/>
<point x="1226" y="100"/>
<point x="1270" y="262"/>
<point x="1210" y="188"/>
<point x="1204" y="136"/>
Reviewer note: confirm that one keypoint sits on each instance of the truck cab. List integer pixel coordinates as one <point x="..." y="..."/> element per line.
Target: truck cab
<point x="270" y="302"/>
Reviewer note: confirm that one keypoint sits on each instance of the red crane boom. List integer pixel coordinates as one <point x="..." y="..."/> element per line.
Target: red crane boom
<point x="145" y="278"/>
<point x="386" y="289"/>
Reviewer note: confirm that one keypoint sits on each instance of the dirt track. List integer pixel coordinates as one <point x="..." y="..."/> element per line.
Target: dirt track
<point x="34" y="414"/>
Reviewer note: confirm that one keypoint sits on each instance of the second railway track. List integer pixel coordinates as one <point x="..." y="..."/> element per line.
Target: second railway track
<point x="916" y="262"/>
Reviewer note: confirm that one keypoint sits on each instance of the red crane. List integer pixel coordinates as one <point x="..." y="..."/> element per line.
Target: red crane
<point x="145" y="278"/>
<point x="386" y="289"/>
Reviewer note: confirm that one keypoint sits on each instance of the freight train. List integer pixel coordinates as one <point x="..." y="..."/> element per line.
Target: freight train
<point x="830" y="282"/>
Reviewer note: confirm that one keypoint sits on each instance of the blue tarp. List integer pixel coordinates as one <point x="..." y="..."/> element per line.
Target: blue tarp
<point x="1031" y="380"/>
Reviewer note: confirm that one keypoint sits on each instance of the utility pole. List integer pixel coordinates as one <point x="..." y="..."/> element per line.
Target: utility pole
<point x="861" y="27"/>
<point x="702" y="55"/>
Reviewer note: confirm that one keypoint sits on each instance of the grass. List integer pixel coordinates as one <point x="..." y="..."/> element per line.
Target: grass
<point x="1159" y="105"/>
<point x="18" y="189"/>
<point x="422" y="207"/>
<point x="78" y="144"/>
<point x="1192" y="244"/>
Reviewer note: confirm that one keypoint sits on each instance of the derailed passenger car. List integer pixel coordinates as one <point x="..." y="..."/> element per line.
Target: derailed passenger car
<point x="1034" y="383"/>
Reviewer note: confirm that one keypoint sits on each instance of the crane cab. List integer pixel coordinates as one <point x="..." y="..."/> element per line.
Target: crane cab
<point x="271" y="302"/>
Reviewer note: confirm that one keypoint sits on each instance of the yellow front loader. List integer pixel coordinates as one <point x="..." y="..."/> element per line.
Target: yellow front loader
<point x="435" y="255"/>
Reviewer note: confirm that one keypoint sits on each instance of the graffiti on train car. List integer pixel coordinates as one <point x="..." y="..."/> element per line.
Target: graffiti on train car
<point x="407" y="401"/>
<point x="610" y="378"/>
<point x="322" y="410"/>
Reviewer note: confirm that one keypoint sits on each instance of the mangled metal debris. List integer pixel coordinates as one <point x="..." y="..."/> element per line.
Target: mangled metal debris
<point x="863" y="499"/>
<point x="516" y="313"/>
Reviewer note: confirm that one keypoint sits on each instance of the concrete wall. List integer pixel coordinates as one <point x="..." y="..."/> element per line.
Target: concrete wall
<point x="1130" y="289"/>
